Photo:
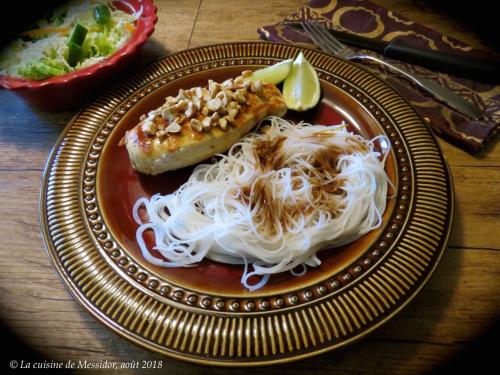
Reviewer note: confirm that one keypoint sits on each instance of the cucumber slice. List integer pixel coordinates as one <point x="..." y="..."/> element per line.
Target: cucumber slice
<point x="102" y="15"/>
<point x="75" y="53"/>
<point x="77" y="35"/>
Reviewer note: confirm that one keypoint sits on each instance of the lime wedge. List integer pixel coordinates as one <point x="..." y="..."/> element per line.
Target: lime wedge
<point x="301" y="89"/>
<point x="273" y="74"/>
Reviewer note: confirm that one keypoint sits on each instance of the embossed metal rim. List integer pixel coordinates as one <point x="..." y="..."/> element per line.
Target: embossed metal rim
<point x="270" y="329"/>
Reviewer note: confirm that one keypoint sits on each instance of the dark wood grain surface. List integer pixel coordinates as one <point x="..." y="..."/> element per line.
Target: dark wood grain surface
<point x="447" y="321"/>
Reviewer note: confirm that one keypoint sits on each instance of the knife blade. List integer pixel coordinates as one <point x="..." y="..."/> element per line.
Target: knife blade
<point x="458" y="65"/>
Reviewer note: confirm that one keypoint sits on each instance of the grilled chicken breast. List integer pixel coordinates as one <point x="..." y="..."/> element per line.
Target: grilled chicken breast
<point x="200" y="123"/>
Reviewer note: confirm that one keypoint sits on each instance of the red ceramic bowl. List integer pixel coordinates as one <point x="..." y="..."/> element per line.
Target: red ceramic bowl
<point x="68" y="90"/>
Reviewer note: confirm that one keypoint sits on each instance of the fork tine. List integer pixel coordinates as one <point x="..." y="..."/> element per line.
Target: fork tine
<point x="328" y="36"/>
<point x="312" y="34"/>
<point x="320" y="39"/>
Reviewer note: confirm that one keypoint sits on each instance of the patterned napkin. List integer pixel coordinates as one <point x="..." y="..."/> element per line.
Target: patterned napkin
<point x="370" y="20"/>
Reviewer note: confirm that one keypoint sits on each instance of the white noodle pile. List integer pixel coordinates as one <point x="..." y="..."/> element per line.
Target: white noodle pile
<point x="275" y="218"/>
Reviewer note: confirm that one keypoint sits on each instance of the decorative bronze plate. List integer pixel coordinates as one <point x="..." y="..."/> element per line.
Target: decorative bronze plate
<point x="203" y="314"/>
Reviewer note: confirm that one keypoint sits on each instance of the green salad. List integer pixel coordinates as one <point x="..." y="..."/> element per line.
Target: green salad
<point x="73" y="36"/>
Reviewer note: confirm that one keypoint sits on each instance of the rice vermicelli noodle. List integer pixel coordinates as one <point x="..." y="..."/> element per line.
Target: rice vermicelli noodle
<point x="279" y="196"/>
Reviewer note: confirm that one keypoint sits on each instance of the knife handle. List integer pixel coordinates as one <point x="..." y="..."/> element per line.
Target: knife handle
<point x="462" y="66"/>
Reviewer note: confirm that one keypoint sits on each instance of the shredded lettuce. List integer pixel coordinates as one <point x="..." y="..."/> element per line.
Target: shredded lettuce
<point x="44" y="55"/>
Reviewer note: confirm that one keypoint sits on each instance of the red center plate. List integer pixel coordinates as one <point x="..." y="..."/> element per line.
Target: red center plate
<point x="120" y="186"/>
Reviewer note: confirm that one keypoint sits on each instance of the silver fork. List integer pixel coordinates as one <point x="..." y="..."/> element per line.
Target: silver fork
<point x="327" y="42"/>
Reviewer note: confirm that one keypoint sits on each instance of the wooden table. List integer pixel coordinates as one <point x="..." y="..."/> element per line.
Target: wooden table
<point x="458" y="306"/>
